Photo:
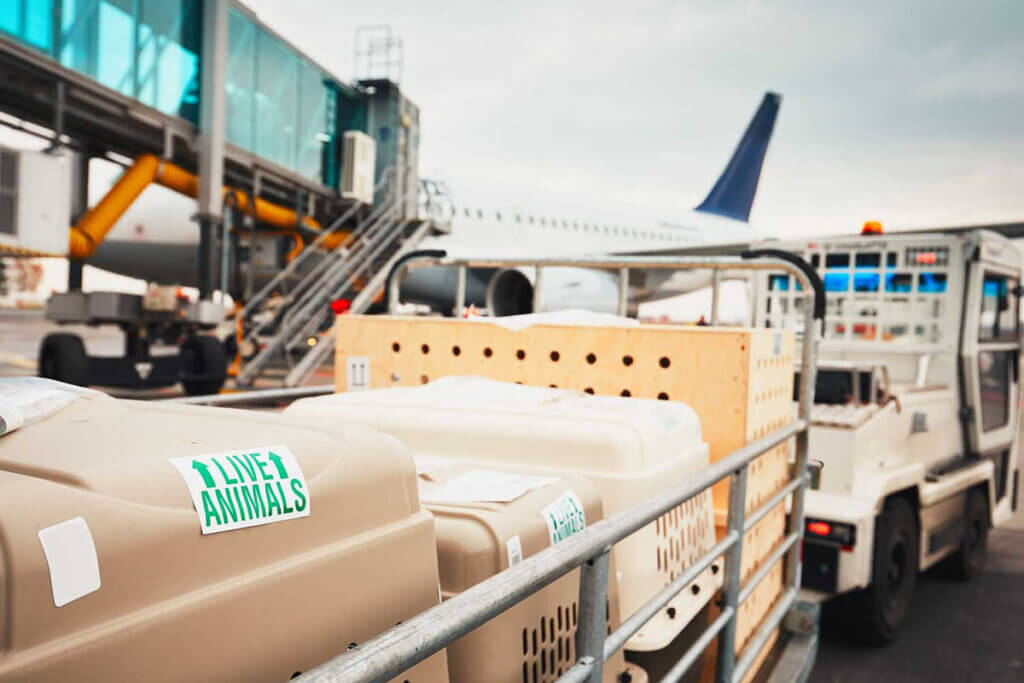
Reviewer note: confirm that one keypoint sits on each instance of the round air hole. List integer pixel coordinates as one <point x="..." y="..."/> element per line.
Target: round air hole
<point x="555" y="355"/>
<point x="664" y="362"/>
<point x="396" y="347"/>
<point x="456" y="350"/>
<point x="425" y="348"/>
<point x="625" y="392"/>
<point x="553" y="386"/>
<point x="671" y="611"/>
<point x="588" y="390"/>
<point x="424" y="379"/>
<point x="520" y="354"/>
<point x="662" y="396"/>
<point x="488" y="353"/>
<point x="627" y="360"/>
<point x="695" y="589"/>
<point x="591" y="358"/>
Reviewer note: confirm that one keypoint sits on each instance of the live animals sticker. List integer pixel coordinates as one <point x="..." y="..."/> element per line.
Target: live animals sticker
<point x="564" y="517"/>
<point x="243" y="488"/>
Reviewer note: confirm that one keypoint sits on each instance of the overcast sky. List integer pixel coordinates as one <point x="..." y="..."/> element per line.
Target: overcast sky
<point x="911" y="113"/>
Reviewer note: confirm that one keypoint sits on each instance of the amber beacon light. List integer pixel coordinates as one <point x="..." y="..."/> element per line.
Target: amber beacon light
<point x="871" y="228"/>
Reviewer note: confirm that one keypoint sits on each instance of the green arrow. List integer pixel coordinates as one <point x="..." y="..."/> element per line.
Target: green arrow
<point x="204" y="472"/>
<point x="276" y="459"/>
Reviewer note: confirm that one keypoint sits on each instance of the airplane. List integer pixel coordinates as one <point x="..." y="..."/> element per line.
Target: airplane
<point x="722" y="218"/>
<point x="152" y="241"/>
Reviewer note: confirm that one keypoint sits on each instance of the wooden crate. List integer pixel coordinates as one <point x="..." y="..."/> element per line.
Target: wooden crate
<point x="738" y="380"/>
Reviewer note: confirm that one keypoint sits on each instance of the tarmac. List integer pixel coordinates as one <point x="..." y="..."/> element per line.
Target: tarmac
<point x="971" y="632"/>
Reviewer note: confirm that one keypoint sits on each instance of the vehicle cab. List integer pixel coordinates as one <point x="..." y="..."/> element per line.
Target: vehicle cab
<point x="916" y="411"/>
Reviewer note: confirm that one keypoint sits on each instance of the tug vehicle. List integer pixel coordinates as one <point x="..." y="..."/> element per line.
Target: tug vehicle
<point x="916" y="411"/>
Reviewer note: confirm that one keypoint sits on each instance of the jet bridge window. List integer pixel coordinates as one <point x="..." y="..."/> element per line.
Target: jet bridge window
<point x="994" y="374"/>
<point x="998" y="319"/>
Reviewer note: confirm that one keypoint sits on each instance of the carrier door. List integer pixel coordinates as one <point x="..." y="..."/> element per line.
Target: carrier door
<point x="991" y="364"/>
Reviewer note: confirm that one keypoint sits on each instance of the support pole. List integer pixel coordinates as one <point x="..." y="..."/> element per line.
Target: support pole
<point x="538" y="289"/>
<point x="79" y="205"/>
<point x="211" y="136"/>
<point x="716" y="286"/>
<point x="593" y="611"/>
<point x="731" y="585"/>
<point x="460" y="291"/>
<point x="623" y="291"/>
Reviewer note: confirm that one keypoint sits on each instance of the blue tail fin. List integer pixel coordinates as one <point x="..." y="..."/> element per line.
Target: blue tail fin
<point x="733" y="193"/>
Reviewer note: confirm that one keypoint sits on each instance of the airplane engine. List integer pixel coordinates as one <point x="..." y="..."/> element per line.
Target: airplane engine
<point x="510" y="291"/>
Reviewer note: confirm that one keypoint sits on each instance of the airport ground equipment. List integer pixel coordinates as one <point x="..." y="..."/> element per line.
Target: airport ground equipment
<point x="487" y="519"/>
<point x="110" y="576"/>
<point x="917" y="410"/>
<point x="735" y="661"/>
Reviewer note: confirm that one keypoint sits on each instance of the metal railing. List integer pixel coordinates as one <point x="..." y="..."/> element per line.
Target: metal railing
<point x="396" y="650"/>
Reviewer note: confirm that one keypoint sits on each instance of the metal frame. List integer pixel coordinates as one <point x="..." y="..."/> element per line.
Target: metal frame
<point x="394" y="651"/>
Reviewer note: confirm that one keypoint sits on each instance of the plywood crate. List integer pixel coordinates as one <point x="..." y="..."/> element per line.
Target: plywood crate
<point x="738" y="380"/>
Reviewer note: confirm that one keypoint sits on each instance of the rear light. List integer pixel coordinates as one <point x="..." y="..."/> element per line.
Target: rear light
<point x="844" y="535"/>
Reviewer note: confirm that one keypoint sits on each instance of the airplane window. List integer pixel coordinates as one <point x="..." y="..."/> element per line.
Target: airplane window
<point x="497" y="214"/>
<point x="467" y="212"/>
<point x="519" y="219"/>
<point x="565" y="224"/>
<point x="606" y="229"/>
<point x="542" y="222"/>
<point x="575" y="225"/>
<point x="531" y="220"/>
<point x="479" y="213"/>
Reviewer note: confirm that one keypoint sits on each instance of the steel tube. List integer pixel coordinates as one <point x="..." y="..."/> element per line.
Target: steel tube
<point x="758" y="514"/>
<point x="716" y="284"/>
<point x="578" y="672"/>
<point x="392" y="652"/>
<point x="623" y="308"/>
<point x="593" y="598"/>
<point x="538" y="288"/>
<point x="680" y="668"/>
<point x="460" y="291"/>
<point x="253" y="396"/>
<point x="767" y="564"/>
<point x="733" y="564"/>
<point x="617" y="639"/>
<point x="763" y="633"/>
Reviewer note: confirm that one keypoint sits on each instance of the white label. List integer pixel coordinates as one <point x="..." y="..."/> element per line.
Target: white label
<point x="357" y="371"/>
<point x="515" y="550"/>
<point x="484" y="486"/>
<point x="243" y="488"/>
<point x="71" y="555"/>
<point x="564" y="517"/>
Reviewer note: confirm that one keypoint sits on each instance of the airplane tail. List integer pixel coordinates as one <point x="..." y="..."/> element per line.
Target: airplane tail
<point x="733" y="193"/>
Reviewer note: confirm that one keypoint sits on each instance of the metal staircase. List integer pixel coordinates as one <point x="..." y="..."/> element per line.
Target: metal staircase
<point x="292" y="332"/>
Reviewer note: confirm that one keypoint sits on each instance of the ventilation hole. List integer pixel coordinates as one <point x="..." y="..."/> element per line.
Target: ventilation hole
<point x="526" y="673"/>
<point x="695" y="589"/>
<point x="520" y="354"/>
<point x="589" y="390"/>
<point x="625" y="392"/>
<point x="671" y="611"/>
<point x="534" y="641"/>
<point x="424" y="379"/>
<point x="543" y="664"/>
<point x="551" y="660"/>
<point x="526" y="648"/>
<point x="664" y="362"/>
<point x="487" y="352"/>
<point x="627" y="360"/>
<point x="396" y="347"/>
<point x="456" y="351"/>
<point x="296" y="674"/>
<point x="536" y="676"/>
<point x="553" y="386"/>
<point x="551" y="627"/>
<point x="352" y="646"/>
<point x="591" y="358"/>
<point x="559" y="611"/>
<point x="543" y="631"/>
<point x="425" y="348"/>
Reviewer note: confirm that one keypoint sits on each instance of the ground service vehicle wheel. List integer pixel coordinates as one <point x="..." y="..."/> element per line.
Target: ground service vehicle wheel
<point x="881" y="608"/>
<point x="62" y="357"/>
<point x="206" y="368"/>
<point x="969" y="560"/>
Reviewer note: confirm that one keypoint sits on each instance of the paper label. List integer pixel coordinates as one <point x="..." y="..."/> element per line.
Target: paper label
<point x="564" y="517"/>
<point x="71" y="556"/>
<point x="243" y="488"/>
<point x="515" y="550"/>
<point x="357" y="371"/>
<point x="484" y="486"/>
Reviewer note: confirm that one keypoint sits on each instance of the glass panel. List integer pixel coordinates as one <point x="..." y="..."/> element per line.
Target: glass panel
<point x="30" y="21"/>
<point x="994" y="381"/>
<point x="778" y="283"/>
<point x="866" y="281"/>
<point x="998" y="319"/>
<point x="932" y="283"/>
<point x="312" y="121"/>
<point x="240" y="77"/>
<point x="277" y="72"/>
<point x="867" y="260"/>
<point x="837" y="260"/>
<point x="898" y="282"/>
<point x="837" y="282"/>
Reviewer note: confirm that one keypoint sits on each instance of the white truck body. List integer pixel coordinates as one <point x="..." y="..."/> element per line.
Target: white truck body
<point x="917" y="392"/>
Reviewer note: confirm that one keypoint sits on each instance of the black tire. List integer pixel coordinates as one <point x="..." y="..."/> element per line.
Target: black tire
<point x="969" y="559"/>
<point x="205" y="365"/>
<point x="62" y="357"/>
<point x="881" y="608"/>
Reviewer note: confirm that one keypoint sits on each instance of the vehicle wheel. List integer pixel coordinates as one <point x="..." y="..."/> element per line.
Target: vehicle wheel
<point x="882" y="607"/>
<point x="969" y="560"/>
<point x="62" y="357"/>
<point x="205" y="365"/>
